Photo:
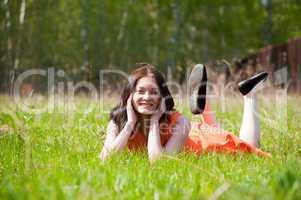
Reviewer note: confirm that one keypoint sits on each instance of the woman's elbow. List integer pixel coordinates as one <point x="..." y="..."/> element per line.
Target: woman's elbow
<point x="103" y="155"/>
<point x="186" y="127"/>
<point x="154" y="157"/>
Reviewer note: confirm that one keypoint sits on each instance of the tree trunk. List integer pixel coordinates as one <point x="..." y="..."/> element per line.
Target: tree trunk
<point x="155" y="52"/>
<point x="267" y="29"/>
<point x="19" y="40"/>
<point x="16" y="60"/>
<point x="85" y="68"/>
<point x="5" y="79"/>
<point x="175" y="40"/>
<point x="205" y="36"/>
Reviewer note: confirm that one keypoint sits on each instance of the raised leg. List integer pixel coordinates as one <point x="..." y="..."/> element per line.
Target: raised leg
<point x="197" y="85"/>
<point x="250" y="129"/>
<point x="209" y="116"/>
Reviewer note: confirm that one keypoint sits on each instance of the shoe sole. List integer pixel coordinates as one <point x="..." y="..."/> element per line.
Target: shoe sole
<point x="197" y="89"/>
<point x="244" y="83"/>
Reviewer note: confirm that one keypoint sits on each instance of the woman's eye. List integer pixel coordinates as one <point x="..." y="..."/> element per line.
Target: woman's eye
<point x="154" y="92"/>
<point x="151" y="92"/>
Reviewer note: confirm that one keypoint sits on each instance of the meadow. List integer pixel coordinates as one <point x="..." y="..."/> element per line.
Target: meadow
<point x="53" y="154"/>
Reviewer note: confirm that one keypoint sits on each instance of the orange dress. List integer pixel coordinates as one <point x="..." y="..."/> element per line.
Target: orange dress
<point x="203" y="137"/>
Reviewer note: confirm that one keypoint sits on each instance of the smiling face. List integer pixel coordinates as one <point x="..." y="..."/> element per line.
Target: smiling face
<point x="146" y="97"/>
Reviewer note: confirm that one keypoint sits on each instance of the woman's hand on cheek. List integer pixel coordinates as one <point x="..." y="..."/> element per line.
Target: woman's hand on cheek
<point x="162" y="109"/>
<point x="131" y="115"/>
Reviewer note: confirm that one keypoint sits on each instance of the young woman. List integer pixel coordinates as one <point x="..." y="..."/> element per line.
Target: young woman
<point x="145" y="118"/>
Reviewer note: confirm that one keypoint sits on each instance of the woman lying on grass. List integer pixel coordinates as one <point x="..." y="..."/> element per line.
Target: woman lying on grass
<point x="145" y="118"/>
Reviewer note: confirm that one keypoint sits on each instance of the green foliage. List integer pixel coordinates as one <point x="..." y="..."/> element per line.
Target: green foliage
<point x="121" y="33"/>
<point x="7" y="119"/>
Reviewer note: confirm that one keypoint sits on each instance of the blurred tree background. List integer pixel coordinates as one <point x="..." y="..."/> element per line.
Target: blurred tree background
<point x="84" y="36"/>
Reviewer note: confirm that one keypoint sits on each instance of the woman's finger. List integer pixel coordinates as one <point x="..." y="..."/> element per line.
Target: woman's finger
<point x="129" y="99"/>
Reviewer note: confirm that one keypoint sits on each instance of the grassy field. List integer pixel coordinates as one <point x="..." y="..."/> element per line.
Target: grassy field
<point x="54" y="155"/>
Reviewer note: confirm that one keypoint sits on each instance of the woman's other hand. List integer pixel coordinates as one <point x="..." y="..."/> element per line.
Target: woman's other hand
<point x="162" y="109"/>
<point x="131" y="115"/>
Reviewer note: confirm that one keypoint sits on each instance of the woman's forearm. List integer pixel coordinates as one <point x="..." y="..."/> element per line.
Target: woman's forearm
<point x="154" y="146"/>
<point x="179" y="135"/>
<point x="115" y="143"/>
<point x="122" y="138"/>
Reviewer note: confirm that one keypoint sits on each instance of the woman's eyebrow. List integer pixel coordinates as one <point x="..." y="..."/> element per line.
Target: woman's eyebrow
<point x="152" y="88"/>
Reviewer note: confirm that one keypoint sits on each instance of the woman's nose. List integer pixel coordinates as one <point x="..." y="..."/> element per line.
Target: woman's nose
<point x="147" y="96"/>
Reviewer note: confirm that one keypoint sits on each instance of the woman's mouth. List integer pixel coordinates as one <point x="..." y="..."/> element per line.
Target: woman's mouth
<point x="145" y="104"/>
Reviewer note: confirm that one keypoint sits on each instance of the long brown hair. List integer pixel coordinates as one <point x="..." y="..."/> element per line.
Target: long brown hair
<point x="119" y="114"/>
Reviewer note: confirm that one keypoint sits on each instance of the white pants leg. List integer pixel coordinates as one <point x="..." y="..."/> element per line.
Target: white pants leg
<point x="250" y="130"/>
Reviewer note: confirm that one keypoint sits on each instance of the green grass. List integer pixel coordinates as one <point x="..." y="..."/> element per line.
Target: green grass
<point x="54" y="155"/>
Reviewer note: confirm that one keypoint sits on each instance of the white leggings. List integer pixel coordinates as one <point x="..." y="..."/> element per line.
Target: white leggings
<point x="249" y="130"/>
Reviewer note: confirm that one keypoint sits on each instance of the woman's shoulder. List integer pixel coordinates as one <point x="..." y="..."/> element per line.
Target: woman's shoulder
<point x="176" y="117"/>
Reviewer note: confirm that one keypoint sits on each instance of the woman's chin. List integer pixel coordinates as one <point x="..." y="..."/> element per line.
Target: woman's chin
<point x="146" y="112"/>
